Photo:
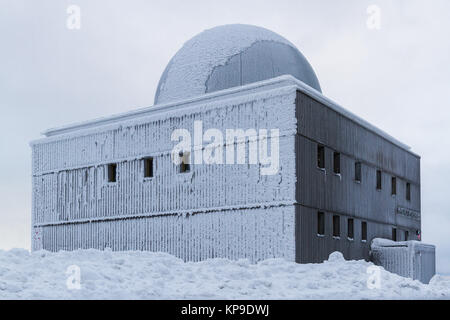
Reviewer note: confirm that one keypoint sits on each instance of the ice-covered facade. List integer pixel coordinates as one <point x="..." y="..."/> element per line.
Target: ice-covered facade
<point x="112" y="182"/>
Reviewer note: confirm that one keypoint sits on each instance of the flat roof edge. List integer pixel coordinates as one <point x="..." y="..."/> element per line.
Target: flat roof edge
<point x="281" y="81"/>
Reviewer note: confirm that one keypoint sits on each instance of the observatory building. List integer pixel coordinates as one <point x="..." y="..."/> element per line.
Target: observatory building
<point x="338" y="181"/>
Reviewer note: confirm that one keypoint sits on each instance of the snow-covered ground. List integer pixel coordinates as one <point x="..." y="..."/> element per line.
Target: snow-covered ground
<point x="147" y="275"/>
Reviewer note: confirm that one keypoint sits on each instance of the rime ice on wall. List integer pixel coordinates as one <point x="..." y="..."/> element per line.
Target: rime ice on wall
<point x="412" y="259"/>
<point x="213" y="211"/>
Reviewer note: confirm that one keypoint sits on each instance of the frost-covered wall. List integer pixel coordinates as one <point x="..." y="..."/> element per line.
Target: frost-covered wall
<point x="411" y="259"/>
<point x="213" y="211"/>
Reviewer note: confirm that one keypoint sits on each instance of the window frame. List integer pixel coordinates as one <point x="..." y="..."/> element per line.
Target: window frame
<point x="393" y="186"/>
<point x="350" y="226"/>
<point x="358" y="171"/>
<point x="152" y="167"/>
<point x="379" y="177"/>
<point x="336" y="226"/>
<point x="112" y="173"/>
<point x="320" y="156"/>
<point x="408" y="191"/>
<point x="364" y="231"/>
<point x="321" y="223"/>
<point x="337" y="163"/>
<point x="183" y="166"/>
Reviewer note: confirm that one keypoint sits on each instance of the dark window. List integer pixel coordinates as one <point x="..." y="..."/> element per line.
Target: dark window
<point x="364" y="230"/>
<point x="394" y="234"/>
<point x="337" y="162"/>
<point x="185" y="162"/>
<point x="321" y="156"/>
<point x="408" y="191"/>
<point x="320" y="223"/>
<point x="394" y="186"/>
<point x="378" y="179"/>
<point x="358" y="171"/>
<point x="406" y="235"/>
<point x="112" y="172"/>
<point x="336" y="226"/>
<point x="350" y="232"/>
<point x="148" y="167"/>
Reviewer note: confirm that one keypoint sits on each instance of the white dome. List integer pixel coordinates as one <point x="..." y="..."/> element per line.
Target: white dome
<point x="230" y="56"/>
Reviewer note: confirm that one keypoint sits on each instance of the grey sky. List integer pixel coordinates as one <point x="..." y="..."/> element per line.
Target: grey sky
<point x="397" y="78"/>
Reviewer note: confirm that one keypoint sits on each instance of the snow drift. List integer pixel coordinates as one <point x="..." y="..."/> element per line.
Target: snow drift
<point x="148" y="275"/>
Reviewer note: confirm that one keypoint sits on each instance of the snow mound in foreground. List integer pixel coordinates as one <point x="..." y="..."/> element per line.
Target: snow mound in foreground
<point x="147" y="275"/>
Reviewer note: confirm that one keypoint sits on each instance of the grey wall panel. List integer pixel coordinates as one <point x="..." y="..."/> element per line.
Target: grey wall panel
<point x="323" y="190"/>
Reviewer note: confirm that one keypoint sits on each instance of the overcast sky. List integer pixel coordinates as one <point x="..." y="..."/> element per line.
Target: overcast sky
<point x="397" y="77"/>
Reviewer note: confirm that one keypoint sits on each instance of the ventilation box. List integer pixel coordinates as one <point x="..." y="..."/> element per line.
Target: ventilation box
<point x="412" y="259"/>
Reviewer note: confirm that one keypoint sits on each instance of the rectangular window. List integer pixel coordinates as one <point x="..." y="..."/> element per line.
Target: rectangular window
<point x="148" y="167"/>
<point x="393" y="186"/>
<point x="406" y="235"/>
<point x="112" y="172"/>
<point x="320" y="223"/>
<point x="378" y="179"/>
<point x="364" y="231"/>
<point x="185" y="165"/>
<point x="408" y="191"/>
<point x="321" y="157"/>
<point x="394" y="234"/>
<point x="336" y="226"/>
<point x="337" y="163"/>
<point x="350" y="233"/>
<point x="358" y="171"/>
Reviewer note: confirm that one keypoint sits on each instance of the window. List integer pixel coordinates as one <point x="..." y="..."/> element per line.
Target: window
<point x="320" y="223"/>
<point x="148" y="167"/>
<point x="358" y="171"/>
<point x="394" y="234"/>
<point x="336" y="226"/>
<point x="350" y="232"/>
<point x="337" y="163"/>
<point x="378" y="179"/>
<point x="364" y="231"/>
<point x="112" y="172"/>
<point x="408" y="191"/>
<point x="321" y="157"/>
<point x="185" y="165"/>
<point x="406" y="235"/>
<point x="393" y="186"/>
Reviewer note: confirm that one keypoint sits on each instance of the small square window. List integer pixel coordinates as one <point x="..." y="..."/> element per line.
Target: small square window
<point x="321" y="156"/>
<point x="148" y="167"/>
<point x="336" y="226"/>
<point x="185" y="165"/>
<point x="320" y="223"/>
<point x="350" y="231"/>
<point x="358" y="171"/>
<point x="393" y="186"/>
<point x="408" y="191"/>
<point x="363" y="230"/>
<point x="337" y="163"/>
<point x="112" y="172"/>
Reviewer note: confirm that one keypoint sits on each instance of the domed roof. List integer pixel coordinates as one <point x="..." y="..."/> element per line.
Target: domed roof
<point x="230" y="56"/>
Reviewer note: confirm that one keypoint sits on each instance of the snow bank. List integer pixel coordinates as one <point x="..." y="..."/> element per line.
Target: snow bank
<point x="147" y="275"/>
